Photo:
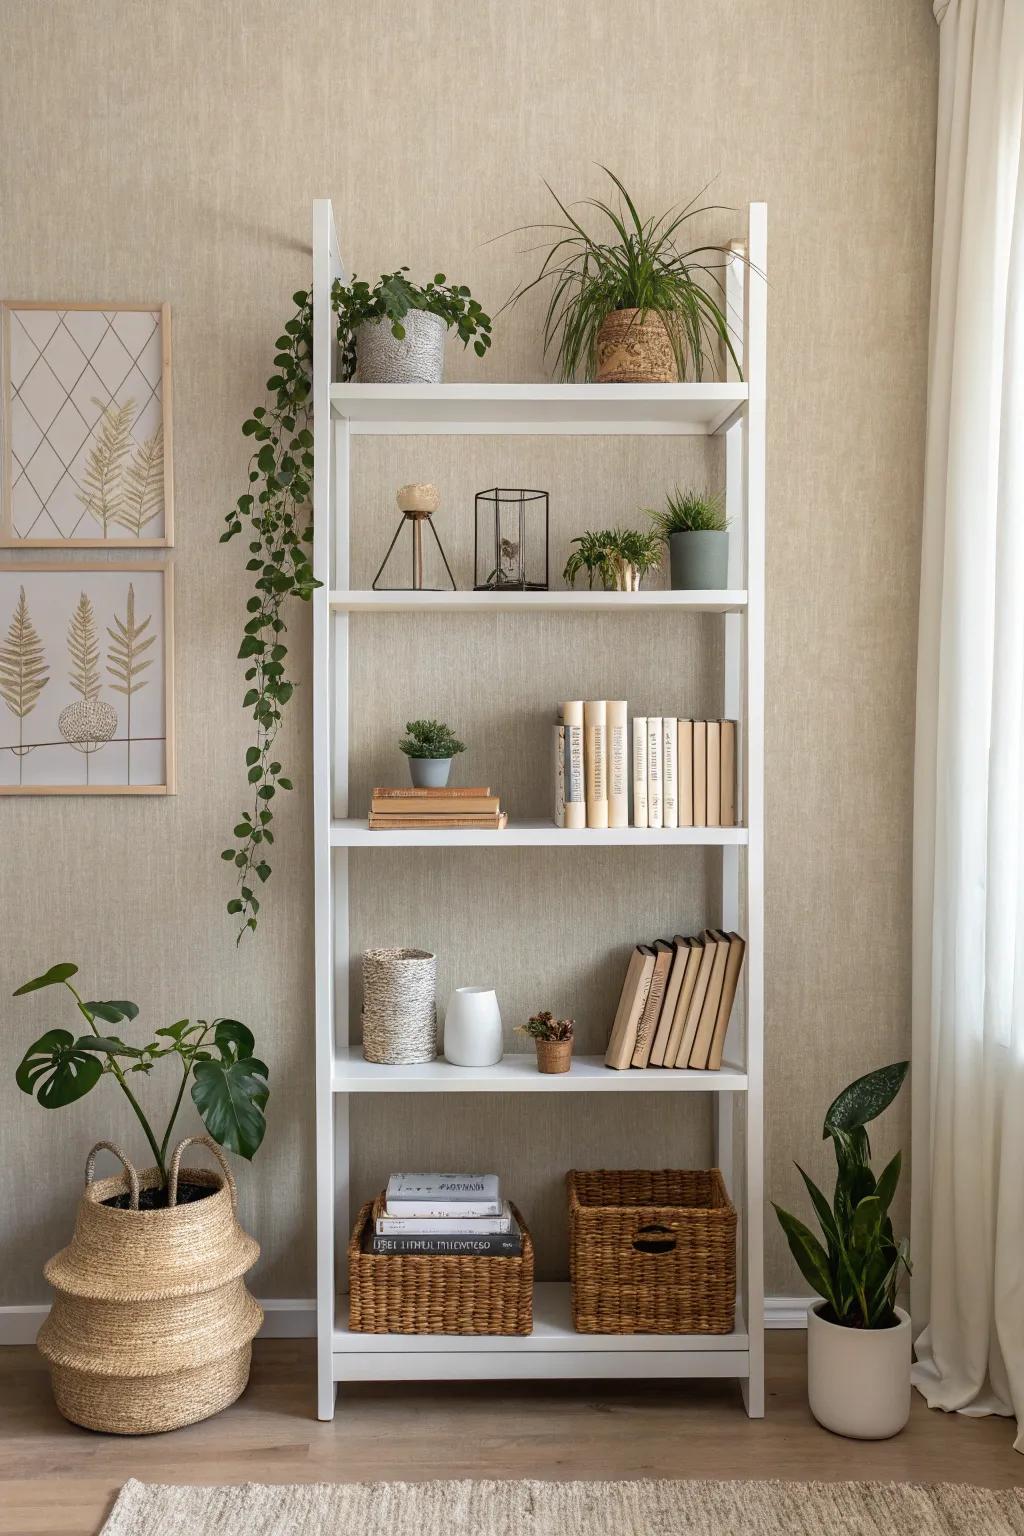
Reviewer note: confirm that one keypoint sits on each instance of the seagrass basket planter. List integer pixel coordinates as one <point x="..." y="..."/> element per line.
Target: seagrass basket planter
<point x="651" y="1252"/>
<point x="635" y="348"/>
<point x="151" y="1326"/>
<point x="437" y="1293"/>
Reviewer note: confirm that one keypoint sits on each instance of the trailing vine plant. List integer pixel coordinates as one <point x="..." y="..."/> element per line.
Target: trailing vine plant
<point x="278" y="513"/>
<point x="277" y="509"/>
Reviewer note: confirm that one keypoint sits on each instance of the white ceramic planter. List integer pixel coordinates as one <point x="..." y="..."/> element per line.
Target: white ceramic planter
<point x="472" y="1028"/>
<point x="419" y="359"/>
<point x="858" y="1379"/>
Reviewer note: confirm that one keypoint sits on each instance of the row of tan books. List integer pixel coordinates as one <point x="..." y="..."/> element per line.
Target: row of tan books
<point x="591" y="764"/>
<point x="406" y="808"/>
<point x="684" y="772"/>
<point x="676" y="1001"/>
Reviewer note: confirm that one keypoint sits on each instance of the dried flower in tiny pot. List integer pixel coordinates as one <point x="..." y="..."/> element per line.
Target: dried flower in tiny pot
<point x="544" y="1026"/>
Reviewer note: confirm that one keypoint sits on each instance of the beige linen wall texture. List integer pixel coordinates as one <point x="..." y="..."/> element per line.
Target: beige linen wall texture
<point x="170" y="149"/>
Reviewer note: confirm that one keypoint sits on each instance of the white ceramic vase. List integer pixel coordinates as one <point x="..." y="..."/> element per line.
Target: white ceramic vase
<point x="858" y="1379"/>
<point x="472" y="1028"/>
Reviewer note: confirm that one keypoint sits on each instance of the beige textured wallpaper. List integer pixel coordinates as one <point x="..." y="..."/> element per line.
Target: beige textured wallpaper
<point x="171" y="151"/>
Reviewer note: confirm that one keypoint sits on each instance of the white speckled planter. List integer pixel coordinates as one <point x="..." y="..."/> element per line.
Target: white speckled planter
<point x="418" y="359"/>
<point x="858" y="1379"/>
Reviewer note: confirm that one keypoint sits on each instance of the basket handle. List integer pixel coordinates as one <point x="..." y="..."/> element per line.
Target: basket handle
<point x="655" y="1239"/>
<point x="211" y="1145"/>
<point x="129" y="1168"/>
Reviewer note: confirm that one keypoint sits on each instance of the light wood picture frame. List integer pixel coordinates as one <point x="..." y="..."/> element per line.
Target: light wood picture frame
<point x="86" y="422"/>
<point x="86" y="678"/>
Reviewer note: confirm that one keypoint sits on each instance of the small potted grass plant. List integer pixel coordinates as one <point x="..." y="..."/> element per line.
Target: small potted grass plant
<point x="636" y="303"/>
<point x="858" y="1339"/>
<point x="430" y="746"/>
<point x="553" y="1039"/>
<point x="694" y="526"/>
<point x="394" y="331"/>
<point x="619" y="558"/>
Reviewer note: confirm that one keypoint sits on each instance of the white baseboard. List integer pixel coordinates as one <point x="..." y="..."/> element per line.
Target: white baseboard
<point x="296" y="1319"/>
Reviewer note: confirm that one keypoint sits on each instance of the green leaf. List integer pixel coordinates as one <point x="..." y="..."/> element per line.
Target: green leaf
<point x="865" y="1099"/>
<point x="808" y="1253"/>
<point x="888" y="1181"/>
<point x="107" y="1045"/>
<point x="822" y="1208"/>
<point x="230" y="1099"/>
<point x="233" y="1040"/>
<point x="55" y="975"/>
<point x="179" y="1030"/>
<point x="56" y="1069"/>
<point x="113" y="1012"/>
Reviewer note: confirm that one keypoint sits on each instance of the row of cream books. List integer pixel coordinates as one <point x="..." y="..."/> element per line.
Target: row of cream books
<point x="454" y="806"/>
<point x="683" y="772"/>
<point x="676" y="1001"/>
<point x="460" y="1214"/>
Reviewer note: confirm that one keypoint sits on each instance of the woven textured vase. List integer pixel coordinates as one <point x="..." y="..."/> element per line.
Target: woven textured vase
<point x="152" y="1326"/>
<point x="631" y="350"/>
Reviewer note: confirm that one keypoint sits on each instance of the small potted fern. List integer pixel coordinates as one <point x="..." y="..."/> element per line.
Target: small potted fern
<point x="620" y="558"/>
<point x="694" y="526"/>
<point x="553" y="1039"/>
<point x="430" y="746"/>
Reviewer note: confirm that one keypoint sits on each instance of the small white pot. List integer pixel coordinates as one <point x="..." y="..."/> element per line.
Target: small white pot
<point x="858" y="1379"/>
<point x="472" y="1028"/>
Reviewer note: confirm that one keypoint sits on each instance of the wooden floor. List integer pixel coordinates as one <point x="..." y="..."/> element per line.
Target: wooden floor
<point x="55" y="1478"/>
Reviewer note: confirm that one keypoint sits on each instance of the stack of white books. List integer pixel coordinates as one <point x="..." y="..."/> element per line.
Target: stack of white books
<point x="460" y="1214"/>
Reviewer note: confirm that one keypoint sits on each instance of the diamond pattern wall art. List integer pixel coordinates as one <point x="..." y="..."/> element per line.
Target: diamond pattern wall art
<point x="86" y="686"/>
<point x="86" y="425"/>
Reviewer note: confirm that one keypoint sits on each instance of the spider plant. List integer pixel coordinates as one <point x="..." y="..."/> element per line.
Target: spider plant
<point x="689" y="511"/>
<point x="618" y="557"/>
<point x="639" y="264"/>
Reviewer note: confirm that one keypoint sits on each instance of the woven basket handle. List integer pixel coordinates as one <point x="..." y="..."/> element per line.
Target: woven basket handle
<point x="129" y="1168"/>
<point x="654" y="1239"/>
<point x="211" y="1145"/>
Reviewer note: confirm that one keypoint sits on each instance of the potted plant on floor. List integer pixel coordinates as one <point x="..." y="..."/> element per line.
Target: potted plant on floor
<point x="694" y="526"/>
<point x="858" y="1339"/>
<point x="620" y="558"/>
<point x="394" y="331"/>
<point x="553" y="1039"/>
<point x="152" y="1324"/>
<point x="430" y="746"/>
<point x="631" y="306"/>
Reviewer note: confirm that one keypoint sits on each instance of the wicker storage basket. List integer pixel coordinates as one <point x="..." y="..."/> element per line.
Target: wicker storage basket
<point x="399" y="1006"/>
<point x="152" y="1326"/>
<point x="428" y="1293"/>
<point x="651" y="1252"/>
<point x="635" y="350"/>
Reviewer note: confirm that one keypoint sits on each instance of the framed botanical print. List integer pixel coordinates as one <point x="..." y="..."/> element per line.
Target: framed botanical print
<point x="86" y="679"/>
<point x="86" y="425"/>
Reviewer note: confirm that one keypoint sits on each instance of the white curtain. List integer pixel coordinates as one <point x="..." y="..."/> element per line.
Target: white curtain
<point x="968" y="949"/>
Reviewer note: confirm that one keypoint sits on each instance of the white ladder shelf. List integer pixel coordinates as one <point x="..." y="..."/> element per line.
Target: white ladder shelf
<point x="735" y="409"/>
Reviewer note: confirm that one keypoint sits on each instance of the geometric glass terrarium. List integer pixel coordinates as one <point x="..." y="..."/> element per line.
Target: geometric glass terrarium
<point x="511" y="544"/>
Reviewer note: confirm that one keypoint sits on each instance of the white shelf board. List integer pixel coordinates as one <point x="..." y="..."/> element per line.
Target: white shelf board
<point x="517" y="1073"/>
<point x="616" y="409"/>
<point x="554" y="1348"/>
<point x="353" y="832"/>
<point x="539" y="602"/>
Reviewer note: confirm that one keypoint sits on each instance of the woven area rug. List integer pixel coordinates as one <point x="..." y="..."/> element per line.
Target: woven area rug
<point x="567" y="1509"/>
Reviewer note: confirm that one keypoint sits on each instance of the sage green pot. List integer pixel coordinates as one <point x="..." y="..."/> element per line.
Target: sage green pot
<point x="699" y="560"/>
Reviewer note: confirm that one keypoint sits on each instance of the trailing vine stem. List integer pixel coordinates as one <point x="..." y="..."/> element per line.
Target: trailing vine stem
<point x="278" y="511"/>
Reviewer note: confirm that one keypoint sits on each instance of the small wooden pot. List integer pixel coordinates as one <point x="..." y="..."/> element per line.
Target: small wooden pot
<point x="553" y="1055"/>
<point x="631" y="350"/>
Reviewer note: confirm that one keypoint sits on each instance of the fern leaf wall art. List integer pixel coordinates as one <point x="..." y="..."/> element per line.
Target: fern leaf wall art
<point x="128" y="645"/>
<point x="86" y="416"/>
<point x="85" y="679"/>
<point x="23" y="672"/>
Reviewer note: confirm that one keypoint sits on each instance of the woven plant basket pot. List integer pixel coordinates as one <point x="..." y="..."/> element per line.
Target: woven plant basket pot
<point x="631" y="350"/>
<point x="152" y="1326"/>
<point x="437" y="1293"/>
<point x="418" y="359"/>
<point x="651" y="1252"/>
<point x="554" y="1055"/>
<point x="399" y="1006"/>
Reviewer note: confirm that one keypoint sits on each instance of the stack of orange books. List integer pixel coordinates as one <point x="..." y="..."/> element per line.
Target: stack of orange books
<point x="443" y="809"/>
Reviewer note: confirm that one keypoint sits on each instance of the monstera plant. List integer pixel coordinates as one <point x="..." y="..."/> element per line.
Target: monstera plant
<point x="227" y="1082"/>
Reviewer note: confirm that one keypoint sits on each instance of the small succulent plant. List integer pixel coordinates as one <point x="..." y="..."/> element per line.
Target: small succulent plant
<point x="544" y="1026"/>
